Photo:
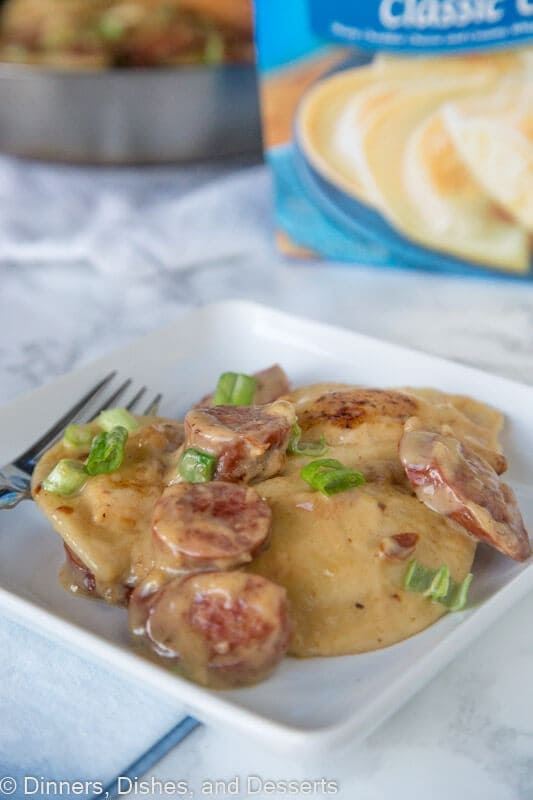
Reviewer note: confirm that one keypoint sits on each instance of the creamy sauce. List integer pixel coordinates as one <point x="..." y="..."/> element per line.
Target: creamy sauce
<point x="108" y="525"/>
<point x="345" y="594"/>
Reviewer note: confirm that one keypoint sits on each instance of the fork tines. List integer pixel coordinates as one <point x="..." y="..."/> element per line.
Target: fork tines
<point x="80" y="413"/>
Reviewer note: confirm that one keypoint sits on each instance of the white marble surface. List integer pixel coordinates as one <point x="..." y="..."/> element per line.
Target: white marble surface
<point x="89" y="260"/>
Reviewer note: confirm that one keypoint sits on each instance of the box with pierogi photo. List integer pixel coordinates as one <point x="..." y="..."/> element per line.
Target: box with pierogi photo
<point x="400" y="132"/>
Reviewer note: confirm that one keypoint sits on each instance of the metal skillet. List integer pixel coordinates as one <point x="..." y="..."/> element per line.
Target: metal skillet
<point x="126" y="116"/>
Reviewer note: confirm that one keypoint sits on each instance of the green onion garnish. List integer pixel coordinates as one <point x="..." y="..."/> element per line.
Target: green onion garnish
<point x="234" y="389"/>
<point x="298" y="448"/>
<point x="112" y="417"/>
<point x="67" y="478"/>
<point x="437" y="585"/>
<point x="197" y="466"/>
<point x="440" y="584"/>
<point x="78" y="436"/>
<point x="214" y="48"/>
<point x="107" y="451"/>
<point x="110" y="27"/>
<point x="329" y="476"/>
<point x="457" y="594"/>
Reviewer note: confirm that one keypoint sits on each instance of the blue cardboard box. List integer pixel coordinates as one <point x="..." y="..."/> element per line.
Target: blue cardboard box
<point x="400" y="132"/>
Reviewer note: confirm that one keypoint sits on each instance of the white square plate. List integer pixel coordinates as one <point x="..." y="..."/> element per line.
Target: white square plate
<point x="307" y="704"/>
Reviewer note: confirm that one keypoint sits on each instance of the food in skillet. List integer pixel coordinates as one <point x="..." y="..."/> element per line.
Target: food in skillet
<point x="126" y="33"/>
<point x="326" y="520"/>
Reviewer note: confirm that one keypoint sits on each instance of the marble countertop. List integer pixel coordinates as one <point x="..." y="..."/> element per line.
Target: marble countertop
<point x="91" y="259"/>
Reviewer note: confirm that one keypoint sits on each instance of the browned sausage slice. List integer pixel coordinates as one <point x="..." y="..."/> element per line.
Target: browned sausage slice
<point x="451" y="479"/>
<point x="249" y="442"/>
<point x="271" y="383"/>
<point x="225" y="628"/>
<point x="216" y="525"/>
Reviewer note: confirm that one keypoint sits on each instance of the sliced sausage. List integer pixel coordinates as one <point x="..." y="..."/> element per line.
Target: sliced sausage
<point x="223" y="628"/>
<point x="271" y="383"/>
<point x="249" y="442"/>
<point x="451" y="479"/>
<point x="474" y="423"/>
<point x="216" y="525"/>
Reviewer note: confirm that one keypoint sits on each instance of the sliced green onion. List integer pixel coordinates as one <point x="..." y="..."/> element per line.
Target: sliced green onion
<point x="437" y="585"/>
<point x="196" y="466"/>
<point x="67" y="478"/>
<point x="457" y="594"/>
<point x="107" y="451"/>
<point x="234" y="389"/>
<point x="440" y="584"/>
<point x="314" y="468"/>
<point x="329" y="476"/>
<point x="78" y="436"/>
<point x="112" y="417"/>
<point x="418" y="578"/>
<point x="110" y="27"/>
<point x="214" y="48"/>
<point x="298" y="448"/>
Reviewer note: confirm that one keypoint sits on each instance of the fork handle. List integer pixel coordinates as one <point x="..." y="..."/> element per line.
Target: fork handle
<point x="13" y="489"/>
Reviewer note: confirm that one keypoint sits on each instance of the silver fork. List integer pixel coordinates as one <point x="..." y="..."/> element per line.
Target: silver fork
<point x="15" y="477"/>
